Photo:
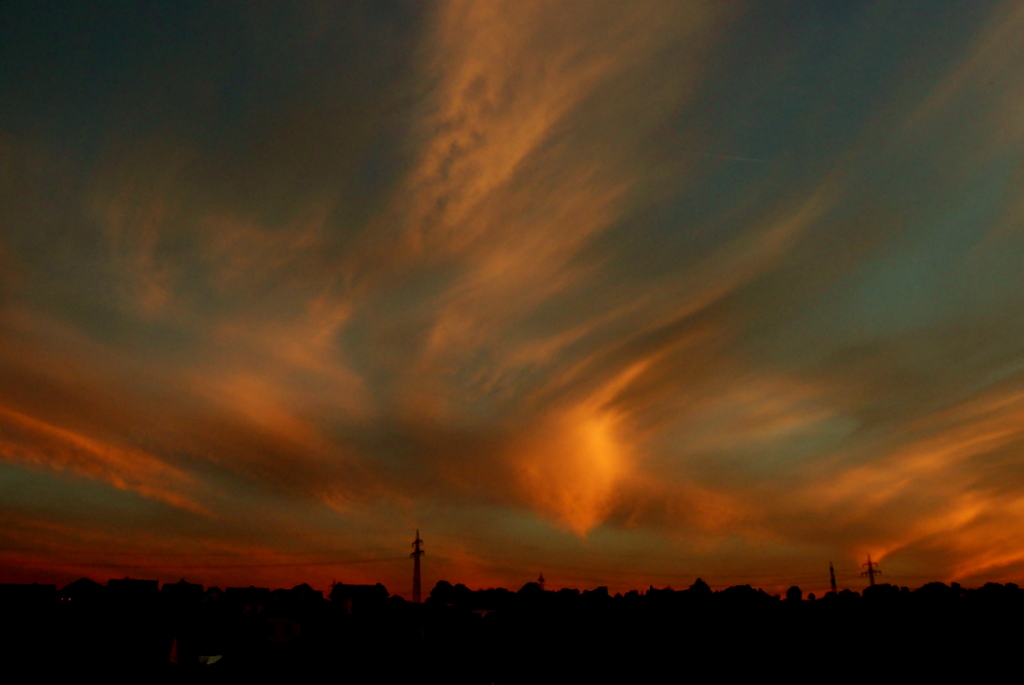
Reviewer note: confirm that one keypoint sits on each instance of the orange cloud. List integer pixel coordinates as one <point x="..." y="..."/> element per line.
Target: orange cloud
<point x="33" y="442"/>
<point x="571" y="468"/>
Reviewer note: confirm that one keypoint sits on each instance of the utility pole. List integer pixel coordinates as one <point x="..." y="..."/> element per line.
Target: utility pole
<point x="872" y="571"/>
<point x="417" y="595"/>
<point x="540" y="581"/>
<point x="832" y="577"/>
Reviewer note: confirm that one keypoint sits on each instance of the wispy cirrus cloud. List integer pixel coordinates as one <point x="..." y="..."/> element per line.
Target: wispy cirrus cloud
<point x="36" y="443"/>
<point x="349" y="270"/>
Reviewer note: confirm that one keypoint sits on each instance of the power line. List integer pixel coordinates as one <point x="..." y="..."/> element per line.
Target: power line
<point x="278" y="564"/>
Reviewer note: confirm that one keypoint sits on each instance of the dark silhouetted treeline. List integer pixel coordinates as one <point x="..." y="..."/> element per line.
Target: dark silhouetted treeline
<point x="360" y="633"/>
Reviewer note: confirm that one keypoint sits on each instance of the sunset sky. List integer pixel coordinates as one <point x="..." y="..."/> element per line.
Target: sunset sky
<point x="623" y="293"/>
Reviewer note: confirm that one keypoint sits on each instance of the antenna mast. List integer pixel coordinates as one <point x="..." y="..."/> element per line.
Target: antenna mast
<point x="417" y="595"/>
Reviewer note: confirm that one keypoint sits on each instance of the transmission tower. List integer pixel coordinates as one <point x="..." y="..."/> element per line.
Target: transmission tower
<point x="872" y="571"/>
<point x="417" y="595"/>
<point x="832" y="577"/>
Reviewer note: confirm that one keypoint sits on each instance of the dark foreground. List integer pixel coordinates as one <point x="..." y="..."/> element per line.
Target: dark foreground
<point x="496" y="636"/>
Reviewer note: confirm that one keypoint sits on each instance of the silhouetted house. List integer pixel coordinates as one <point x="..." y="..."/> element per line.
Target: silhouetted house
<point x="300" y="595"/>
<point x="26" y="594"/>
<point x="304" y="594"/>
<point x="182" y="592"/>
<point x="251" y="599"/>
<point x="213" y="595"/>
<point x="132" y="590"/>
<point x="358" y="598"/>
<point x="83" y="590"/>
